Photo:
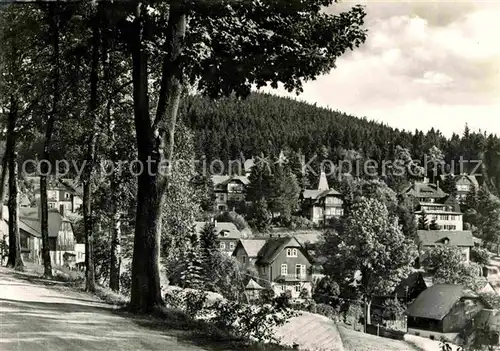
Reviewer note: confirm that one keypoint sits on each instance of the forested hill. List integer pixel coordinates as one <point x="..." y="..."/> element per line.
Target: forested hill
<point x="268" y="123"/>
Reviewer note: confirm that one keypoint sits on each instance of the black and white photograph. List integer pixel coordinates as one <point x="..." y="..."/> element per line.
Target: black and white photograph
<point x="260" y="175"/>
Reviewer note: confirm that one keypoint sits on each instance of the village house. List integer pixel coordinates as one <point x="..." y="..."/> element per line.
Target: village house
<point x="227" y="235"/>
<point x="229" y="191"/>
<point x="465" y="183"/>
<point x="322" y="204"/>
<point x="64" y="248"/>
<point x="64" y="195"/>
<point x="437" y="205"/>
<point x="282" y="262"/>
<point x="428" y="239"/>
<point x="442" y="311"/>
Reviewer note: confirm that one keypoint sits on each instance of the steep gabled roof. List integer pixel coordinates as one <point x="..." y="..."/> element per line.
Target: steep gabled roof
<point x="437" y="237"/>
<point x="318" y="194"/>
<point x="252" y="246"/>
<point x="425" y="190"/>
<point x="225" y="179"/>
<point x="30" y="223"/>
<point x="437" y="301"/>
<point x="471" y="178"/>
<point x="273" y="248"/>
<point x="252" y="285"/>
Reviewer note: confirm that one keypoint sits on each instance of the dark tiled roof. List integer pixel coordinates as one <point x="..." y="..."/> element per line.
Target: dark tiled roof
<point x="414" y="282"/>
<point x="438" y="237"/>
<point x="425" y="190"/>
<point x="437" y="301"/>
<point x="221" y="227"/>
<point x="225" y="179"/>
<point x="28" y="216"/>
<point x="318" y="194"/>
<point x="273" y="247"/>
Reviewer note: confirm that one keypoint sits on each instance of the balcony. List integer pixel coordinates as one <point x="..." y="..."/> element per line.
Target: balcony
<point x="292" y="277"/>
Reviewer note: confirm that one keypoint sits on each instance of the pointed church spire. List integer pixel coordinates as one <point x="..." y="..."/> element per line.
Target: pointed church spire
<point x="323" y="182"/>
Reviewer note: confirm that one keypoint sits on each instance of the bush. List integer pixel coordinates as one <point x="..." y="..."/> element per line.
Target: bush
<point x="249" y="321"/>
<point x="326" y="291"/>
<point x="234" y="218"/>
<point x="325" y="310"/>
<point x="304" y="294"/>
<point x="126" y="280"/>
<point x="297" y="222"/>
<point x="479" y="255"/>
<point x="194" y="302"/>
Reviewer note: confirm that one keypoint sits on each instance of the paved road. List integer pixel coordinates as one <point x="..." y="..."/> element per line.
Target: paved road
<point x="35" y="317"/>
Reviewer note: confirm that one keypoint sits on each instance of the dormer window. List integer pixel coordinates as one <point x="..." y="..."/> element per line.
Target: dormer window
<point x="291" y="252"/>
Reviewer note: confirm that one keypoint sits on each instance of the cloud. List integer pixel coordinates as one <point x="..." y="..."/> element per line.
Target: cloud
<point x="436" y="62"/>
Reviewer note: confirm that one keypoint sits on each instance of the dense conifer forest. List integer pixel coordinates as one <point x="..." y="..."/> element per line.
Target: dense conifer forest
<point x="266" y="124"/>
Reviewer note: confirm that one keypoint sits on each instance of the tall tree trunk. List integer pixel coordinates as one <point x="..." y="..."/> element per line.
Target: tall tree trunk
<point x="146" y="290"/>
<point x="54" y="31"/>
<point x="3" y="179"/>
<point x="15" y="259"/>
<point x="368" y="317"/>
<point x="114" y="274"/>
<point x="90" y="158"/>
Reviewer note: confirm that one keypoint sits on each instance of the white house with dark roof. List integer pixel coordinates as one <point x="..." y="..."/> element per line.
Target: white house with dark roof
<point x="322" y="204"/>
<point x="282" y="262"/>
<point x="227" y="235"/>
<point x="64" y="194"/>
<point x="229" y="190"/>
<point x="62" y="243"/>
<point x="465" y="183"/>
<point x="437" y="205"/>
<point x="428" y="239"/>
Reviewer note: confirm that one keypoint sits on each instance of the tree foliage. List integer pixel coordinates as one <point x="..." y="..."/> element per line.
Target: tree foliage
<point x="372" y="253"/>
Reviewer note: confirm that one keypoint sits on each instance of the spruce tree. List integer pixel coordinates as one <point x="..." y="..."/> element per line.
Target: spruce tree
<point x="423" y="221"/>
<point x="192" y="276"/>
<point x="208" y="253"/>
<point x="434" y="225"/>
<point x="449" y="185"/>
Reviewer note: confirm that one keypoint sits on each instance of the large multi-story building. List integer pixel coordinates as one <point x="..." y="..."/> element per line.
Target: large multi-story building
<point x="64" y="195"/>
<point x="230" y="191"/>
<point x="436" y="205"/>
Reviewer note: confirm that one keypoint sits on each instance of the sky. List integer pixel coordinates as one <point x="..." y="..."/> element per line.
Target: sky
<point x="425" y="64"/>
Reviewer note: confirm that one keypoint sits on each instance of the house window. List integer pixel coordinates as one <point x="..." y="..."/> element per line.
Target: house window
<point x="222" y="208"/>
<point x="291" y="252"/>
<point x="243" y="259"/>
<point x="297" y="288"/>
<point x="284" y="269"/>
<point x="222" y="245"/>
<point x="51" y="205"/>
<point x="231" y="245"/>
<point x="221" y="197"/>
<point x="66" y="195"/>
